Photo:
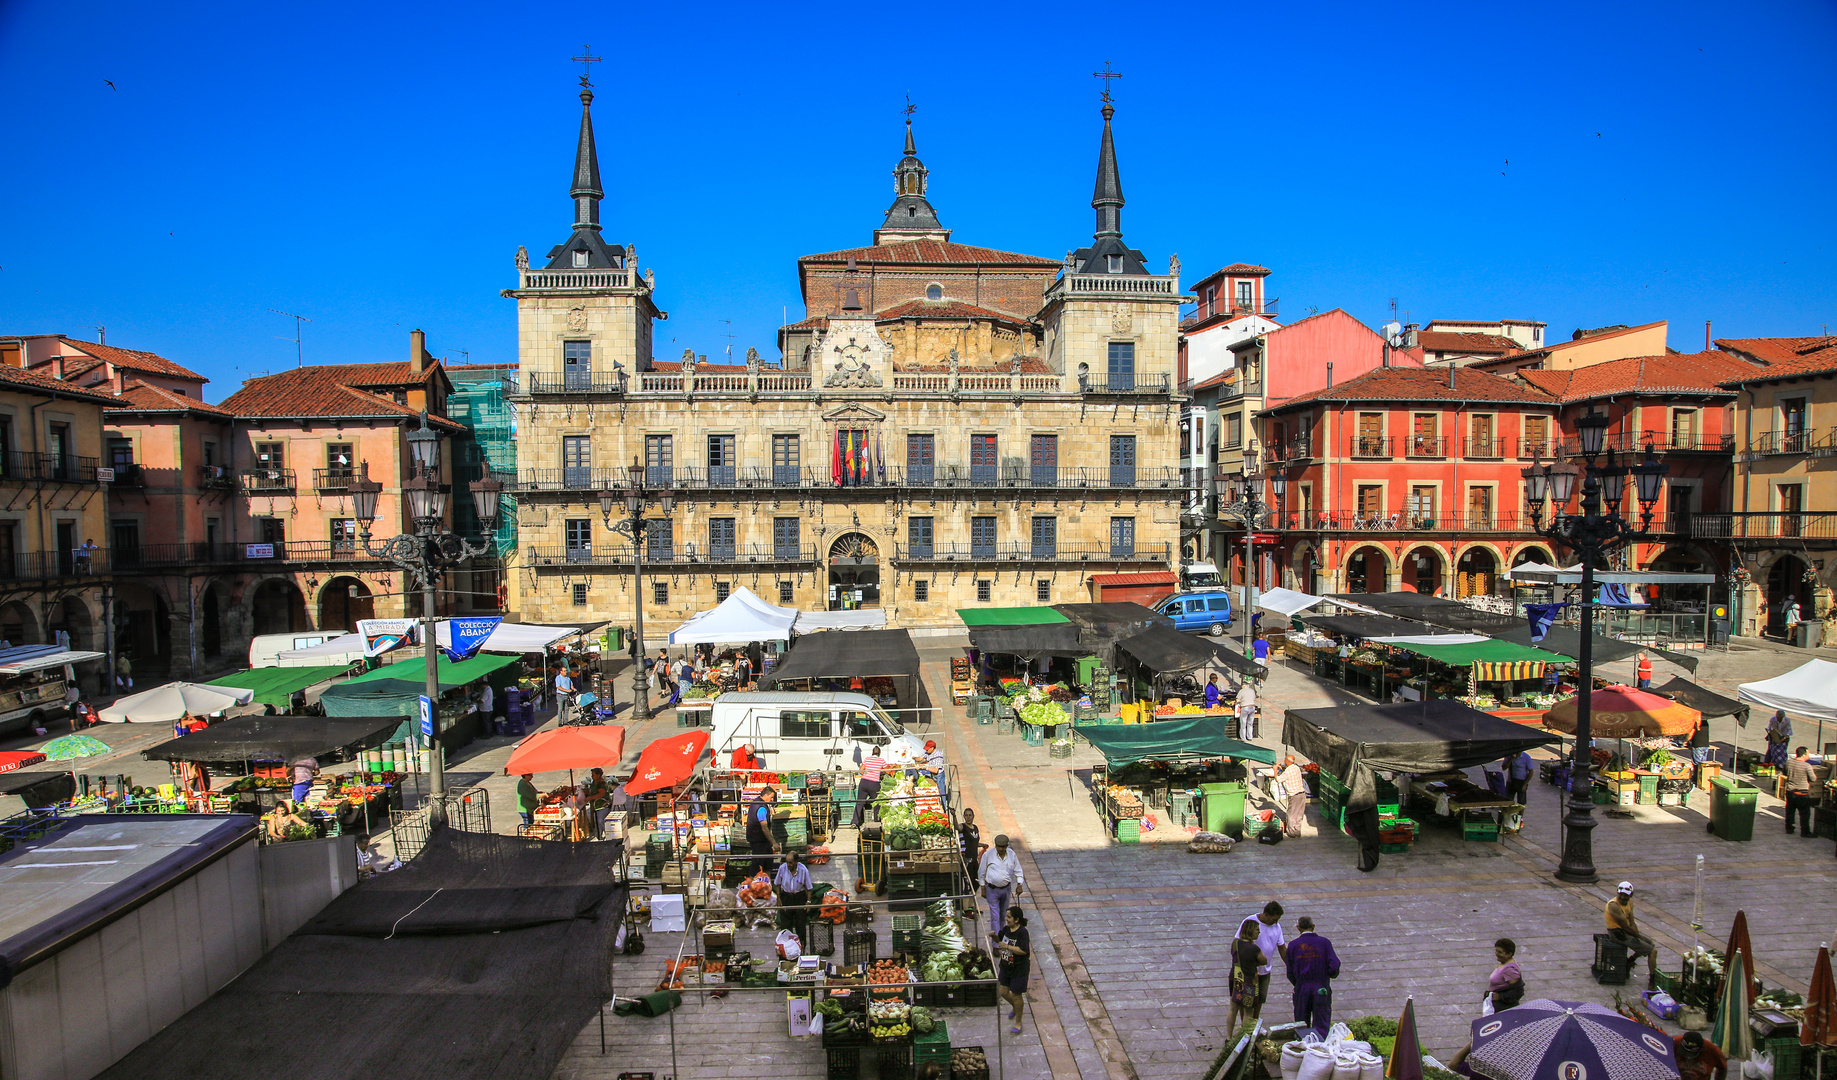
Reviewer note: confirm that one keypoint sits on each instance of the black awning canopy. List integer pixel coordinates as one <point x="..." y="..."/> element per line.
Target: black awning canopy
<point x="1366" y="626"/>
<point x="846" y="654"/>
<point x="1165" y="650"/>
<point x="1102" y="627"/>
<point x="1042" y="639"/>
<point x="1707" y="702"/>
<point x="1432" y="609"/>
<point x="1352" y="741"/>
<point x="276" y="738"/>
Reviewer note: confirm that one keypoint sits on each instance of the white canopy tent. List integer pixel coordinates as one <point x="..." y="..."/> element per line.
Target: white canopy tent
<point x="1809" y="690"/>
<point x="1431" y="639"/>
<point x="1572" y="575"/>
<point x="1286" y="601"/>
<point x="740" y="617"/>
<point x="345" y="649"/>
<point x="1531" y="568"/>
<point x="511" y="638"/>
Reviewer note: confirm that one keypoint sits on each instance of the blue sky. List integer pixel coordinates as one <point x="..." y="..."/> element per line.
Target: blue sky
<point x="374" y="167"/>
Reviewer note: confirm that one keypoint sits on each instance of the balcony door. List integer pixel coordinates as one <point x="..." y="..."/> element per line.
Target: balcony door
<point x="1122" y="366"/>
<point x="983" y="460"/>
<point x="1043" y="460"/>
<point x="576" y="462"/>
<point x="1122" y="461"/>
<point x="578" y="535"/>
<point x="577" y="365"/>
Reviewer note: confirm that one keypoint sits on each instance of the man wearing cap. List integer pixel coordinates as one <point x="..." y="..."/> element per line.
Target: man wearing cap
<point x="1624" y="929"/>
<point x="1700" y="1060"/>
<point x="1000" y="874"/>
<point x="934" y="767"/>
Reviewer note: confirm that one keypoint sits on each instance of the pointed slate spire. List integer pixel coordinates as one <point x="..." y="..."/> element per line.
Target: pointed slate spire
<point x="1107" y="199"/>
<point x="587" y="193"/>
<point x="911" y="217"/>
<point x="911" y="147"/>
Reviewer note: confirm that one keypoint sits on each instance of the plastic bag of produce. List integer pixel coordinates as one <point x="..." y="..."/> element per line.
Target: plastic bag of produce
<point x="1292" y="1054"/>
<point x="789" y="946"/>
<point x="1316" y="1064"/>
<point x="1339" y="1032"/>
<point x="1371" y="1066"/>
<point x="1210" y="843"/>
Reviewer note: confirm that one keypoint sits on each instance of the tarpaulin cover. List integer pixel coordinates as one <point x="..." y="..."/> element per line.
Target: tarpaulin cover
<point x="1055" y="639"/>
<point x="344" y="649"/>
<point x="1492" y="651"/>
<point x="1286" y="601"/>
<point x="1707" y="702"/>
<point x="1009" y="616"/>
<point x="509" y="637"/>
<point x="275" y="738"/>
<point x="39" y="789"/>
<point x="1365" y="626"/>
<point x="1200" y="736"/>
<point x="276" y="685"/>
<point x="1102" y="627"/>
<point x="1567" y="642"/>
<point x="1433" y="609"/>
<point x="1163" y="649"/>
<point x="454" y="966"/>
<point x="396" y="690"/>
<point x="1809" y="690"/>
<point x="809" y="622"/>
<point x="845" y="654"/>
<point x="667" y="762"/>
<point x="1352" y="741"/>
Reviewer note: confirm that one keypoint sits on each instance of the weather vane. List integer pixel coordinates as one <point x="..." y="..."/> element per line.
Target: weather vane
<point x="910" y="108"/>
<point x="1106" y="75"/>
<point x="586" y="60"/>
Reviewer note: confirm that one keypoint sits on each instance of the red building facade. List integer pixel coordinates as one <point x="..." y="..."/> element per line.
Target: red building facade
<point x="1405" y="478"/>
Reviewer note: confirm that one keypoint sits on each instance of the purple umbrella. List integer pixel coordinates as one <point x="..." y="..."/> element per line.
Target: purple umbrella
<point x="1566" y="1040"/>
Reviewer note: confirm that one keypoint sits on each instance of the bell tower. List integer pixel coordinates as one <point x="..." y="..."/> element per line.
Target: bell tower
<point x="911" y="216"/>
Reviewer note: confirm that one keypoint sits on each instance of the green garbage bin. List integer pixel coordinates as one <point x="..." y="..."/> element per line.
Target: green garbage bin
<point x="1085" y="669"/>
<point x="615" y="639"/>
<point x="1224" y="808"/>
<point x="1731" y="808"/>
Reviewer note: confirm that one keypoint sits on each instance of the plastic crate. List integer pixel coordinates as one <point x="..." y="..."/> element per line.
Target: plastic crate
<point x="844" y="1063"/>
<point x="978" y="1074"/>
<point x="1393" y="849"/>
<point x="1484" y="831"/>
<point x="858" y="948"/>
<point x="907" y="930"/>
<point x="1786" y="1057"/>
<point x="933" y="1046"/>
<point x="894" y="1059"/>
<point x="1033" y="735"/>
<point x="1004" y="726"/>
<point x="979" y="996"/>
<point x="1060" y="748"/>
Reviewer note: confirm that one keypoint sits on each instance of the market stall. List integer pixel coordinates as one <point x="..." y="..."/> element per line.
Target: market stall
<point x="742" y="617"/>
<point x="276" y="686"/>
<point x="1169" y="766"/>
<point x="1434" y="610"/>
<point x="396" y="690"/>
<point x="1650" y="762"/>
<point x="1430" y="740"/>
<point x="262" y="746"/>
<point x="883" y="664"/>
<point x="1498" y="677"/>
<point x="1160" y="655"/>
<point x="1327" y="644"/>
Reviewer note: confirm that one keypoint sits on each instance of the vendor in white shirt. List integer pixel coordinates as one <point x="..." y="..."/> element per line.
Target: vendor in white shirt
<point x="1000" y="874"/>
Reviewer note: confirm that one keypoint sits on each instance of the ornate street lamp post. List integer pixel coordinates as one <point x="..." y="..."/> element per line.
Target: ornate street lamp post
<point x="1243" y="502"/>
<point x="1588" y="534"/>
<point x="636" y="526"/>
<point x="425" y="556"/>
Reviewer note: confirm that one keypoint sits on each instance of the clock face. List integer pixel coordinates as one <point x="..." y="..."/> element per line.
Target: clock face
<point x="851" y="357"/>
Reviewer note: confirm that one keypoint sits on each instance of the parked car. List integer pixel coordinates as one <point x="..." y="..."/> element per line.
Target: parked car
<point x="1207" y="612"/>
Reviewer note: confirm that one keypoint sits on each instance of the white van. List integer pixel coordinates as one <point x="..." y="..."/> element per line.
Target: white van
<point x="794" y="730"/>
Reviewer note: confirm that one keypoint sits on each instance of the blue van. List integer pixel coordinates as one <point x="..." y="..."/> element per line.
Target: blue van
<point x="1199" y="611"/>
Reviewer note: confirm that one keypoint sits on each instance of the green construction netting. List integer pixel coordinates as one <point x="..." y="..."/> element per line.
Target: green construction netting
<point x="1186" y="736"/>
<point x="276" y="685"/>
<point x="1492" y="651"/>
<point x="394" y="690"/>
<point x="1010" y="616"/>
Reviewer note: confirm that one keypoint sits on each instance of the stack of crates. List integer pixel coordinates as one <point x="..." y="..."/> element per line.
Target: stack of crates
<point x="797" y="833"/>
<point x="1033" y="735"/>
<point x="656" y="854"/>
<point x="935" y="1047"/>
<point x="907" y="932"/>
<point x="1332" y="799"/>
<point x="982" y="709"/>
<point x="1395" y="833"/>
<point x="858" y="948"/>
<point x="1182" y="807"/>
<point x="1785" y="1051"/>
<point x="1479" y="825"/>
<point x="843" y="799"/>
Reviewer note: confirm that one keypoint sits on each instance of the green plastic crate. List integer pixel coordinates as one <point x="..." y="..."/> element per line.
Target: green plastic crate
<point x="1786" y="1059"/>
<point x="934" y="1046"/>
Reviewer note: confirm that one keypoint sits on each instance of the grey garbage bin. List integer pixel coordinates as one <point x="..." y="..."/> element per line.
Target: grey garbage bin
<point x="1808" y="635"/>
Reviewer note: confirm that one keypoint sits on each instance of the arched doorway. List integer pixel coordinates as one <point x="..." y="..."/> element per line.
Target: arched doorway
<point x="1424" y="570"/>
<point x="1367" y="570"/>
<point x="1786" y="583"/>
<point x="1668" y="596"/>
<point x="210" y="621"/>
<point x="1533" y="555"/>
<point x="143" y="629"/>
<point x="1476" y="573"/>
<point x="71" y="616"/>
<point x="1304" y="570"/>
<point x="342" y="602"/>
<point x="278" y="608"/>
<point x="19" y="625"/>
<point x="854" y="573"/>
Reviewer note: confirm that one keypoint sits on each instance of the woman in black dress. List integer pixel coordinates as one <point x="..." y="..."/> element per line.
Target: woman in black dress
<point x="1246" y="957"/>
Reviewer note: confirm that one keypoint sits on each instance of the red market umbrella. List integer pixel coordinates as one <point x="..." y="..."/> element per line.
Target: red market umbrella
<point x="1820" y="1026"/>
<point x="667" y="762"/>
<point x="19" y="759"/>
<point x="567" y="748"/>
<point x="1406" y="1053"/>
<point x="1738" y="940"/>
<point x="1621" y="712"/>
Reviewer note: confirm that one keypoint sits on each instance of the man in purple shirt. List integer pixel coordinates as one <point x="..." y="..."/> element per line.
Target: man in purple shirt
<point x="1312" y="965"/>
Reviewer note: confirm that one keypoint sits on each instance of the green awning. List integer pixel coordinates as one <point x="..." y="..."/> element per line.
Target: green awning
<point x="276" y="685"/>
<point x="1184" y="737"/>
<point x="395" y="689"/>
<point x="1010" y="616"/>
<point x="1493" y="651"/>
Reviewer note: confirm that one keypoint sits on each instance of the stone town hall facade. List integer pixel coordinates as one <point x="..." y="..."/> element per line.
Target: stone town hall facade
<point x="950" y="426"/>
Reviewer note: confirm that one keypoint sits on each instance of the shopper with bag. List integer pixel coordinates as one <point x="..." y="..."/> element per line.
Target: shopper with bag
<point x="1505" y="988"/>
<point x="1246" y="957"/>
<point x="794" y="885"/>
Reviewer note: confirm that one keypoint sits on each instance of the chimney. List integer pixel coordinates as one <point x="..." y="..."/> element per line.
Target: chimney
<point x="1707" y="343"/>
<point x="417" y="348"/>
<point x="1329" y="374"/>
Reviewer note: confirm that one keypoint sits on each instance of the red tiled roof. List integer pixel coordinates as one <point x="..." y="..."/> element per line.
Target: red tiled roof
<point x="32" y="382"/>
<point x="942" y="309"/>
<point x="327" y="390"/>
<point x="1787" y="356"/>
<point x="129" y="359"/>
<point x="1424" y="384"/>
<point x="1454" y="341"/>
<point x="1157" y="577"/>
<point x="1588" y="337"/>
<point x="144" y="397"/>
<point x="1223" y="377"/>
<point x="1672" y="373"/>
<point x="814" y="322"/>
<point x="1234" y="270"/>
<point x="930" y="252"/>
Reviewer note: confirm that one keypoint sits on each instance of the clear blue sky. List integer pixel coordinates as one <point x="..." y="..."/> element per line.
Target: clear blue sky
<point x="375" y="166"/>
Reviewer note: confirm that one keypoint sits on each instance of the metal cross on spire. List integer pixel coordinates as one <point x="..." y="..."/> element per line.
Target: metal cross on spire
<point x="586" y="60"/>
<point x="1106" y="75"/>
